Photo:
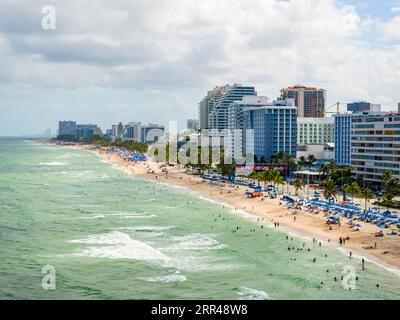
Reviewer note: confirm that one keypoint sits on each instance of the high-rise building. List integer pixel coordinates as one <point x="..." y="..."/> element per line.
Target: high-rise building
<point x="213" y="109"/>
<point x="133" y="131"/>
<point x="114" y="131"/>
<point x="192" y="124"/>
<point x="310" y="101"/>
<point x="152" y="133"/>
<point x="375" y="145"/>
<point x="86" y="130"/>
<point x="363" y="106"/>
<point x="343" y="138"/>
<point x="67" y="128"/>
<point x="273" y="124"/>
<point x="236" y="120"/>
<point x="120" y="130"/>
<point x="315" y="131"/>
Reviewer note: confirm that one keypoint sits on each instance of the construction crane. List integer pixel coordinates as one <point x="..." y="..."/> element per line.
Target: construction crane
<point x="325" y="111"/>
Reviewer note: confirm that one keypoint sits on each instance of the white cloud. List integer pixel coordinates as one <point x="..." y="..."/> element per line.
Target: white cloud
<point x="391" y="29"/>
<point x="173" y="47"/>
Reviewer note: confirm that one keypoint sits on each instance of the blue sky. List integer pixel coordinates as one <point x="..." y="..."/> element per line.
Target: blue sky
<point x="153" y="61"/>
<point x="375" y="8"/>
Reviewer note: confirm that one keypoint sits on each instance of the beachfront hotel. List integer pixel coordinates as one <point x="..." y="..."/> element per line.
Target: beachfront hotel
<point x="343" y="138"/>
<point x="213" y="109"/>
<point x="66" y="128"/>
<point x="316" y="131"/>
<point x="70" y="128"/>
<point x="375" y="145"/>
<point x="315" y="136"/>
<point x="87" y="131"/>
<point x="274" y="125"/>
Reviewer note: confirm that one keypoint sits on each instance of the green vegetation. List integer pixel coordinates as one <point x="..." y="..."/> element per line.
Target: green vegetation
<point x="330" y="189"/>
<point x="298" y="185"/>
<point x="391" y="187"/>
<point x="101" y="141"/>
<point x="353" y="189"/>
<point x="367" y="195"/>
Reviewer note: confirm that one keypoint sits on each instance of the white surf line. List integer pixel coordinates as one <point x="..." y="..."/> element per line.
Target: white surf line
<point x="287" y="230"/>
<point x="251" y="217"/>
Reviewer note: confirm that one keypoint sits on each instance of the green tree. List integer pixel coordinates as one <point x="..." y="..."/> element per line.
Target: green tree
<point x="346" y="191"/>
<point x="276" y="178"/>
<point x="391" y="185"/>
<point x="311" y="159"/>
<point x="298" y="185"/>
<point x="355" y="190"/>
<point x="367" y="195"/>
<point x="330" y="189"/>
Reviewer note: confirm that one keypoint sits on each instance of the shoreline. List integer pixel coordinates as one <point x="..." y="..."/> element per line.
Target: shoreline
<point x="307" y="225"/>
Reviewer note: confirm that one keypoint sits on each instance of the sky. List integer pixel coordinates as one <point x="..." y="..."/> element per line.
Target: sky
<point x="153" y="60"/>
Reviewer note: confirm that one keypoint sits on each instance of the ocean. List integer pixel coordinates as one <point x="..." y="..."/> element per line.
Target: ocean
<point x="107" y="235"/>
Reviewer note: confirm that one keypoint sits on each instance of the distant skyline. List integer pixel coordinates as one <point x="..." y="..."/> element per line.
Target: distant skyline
<point x="153" y="61"/>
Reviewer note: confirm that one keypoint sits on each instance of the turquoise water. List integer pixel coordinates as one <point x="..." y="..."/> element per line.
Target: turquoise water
<point x="110" y="236"/>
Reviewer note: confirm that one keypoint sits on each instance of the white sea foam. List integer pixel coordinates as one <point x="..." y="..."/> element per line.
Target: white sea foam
<point x="196" y="242"/>
<point x="70" y="155"/>
<point x="146" y="228"/>
<point x="53" y="163"/>
<point x="131" y="215"/>
<point x="252" y="294"/>
<point x="146" y="231"/>
<point x="201" y="257"/>
<point x="118" y="245"/>
<point x="93" y="217"/>
<point x="171" y="278"/>
<point x="173" y="186"/>
<point x="139" y="216"/>
<point x="393" y="270"/>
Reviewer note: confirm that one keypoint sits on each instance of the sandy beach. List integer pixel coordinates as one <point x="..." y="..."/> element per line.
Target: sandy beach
<point x="385" y="250"/>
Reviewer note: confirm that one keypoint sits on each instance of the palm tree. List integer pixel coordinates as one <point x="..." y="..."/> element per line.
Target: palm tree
<point x="311" y="159"/>
<point x="298" y="185"/>
<point x="368" y="195"/>
<point x="391" y="185"/>
<point x="302" y="160"/>
<point x="276" y="178"/>
<point x="330" y="189"/>
<point x="387" y="176"/>
<point x="267" y="177"/>
<point x="346" y="190"/>
<point x="354" y="190"/>
<point x="256" y="176"/>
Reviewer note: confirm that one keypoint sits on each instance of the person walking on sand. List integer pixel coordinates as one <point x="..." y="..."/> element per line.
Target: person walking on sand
<point x="350" y="254"/>
<point x="363" y="264"/>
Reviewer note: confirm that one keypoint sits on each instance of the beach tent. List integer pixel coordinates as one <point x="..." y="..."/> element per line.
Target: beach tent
<point x="288" y="199"/>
